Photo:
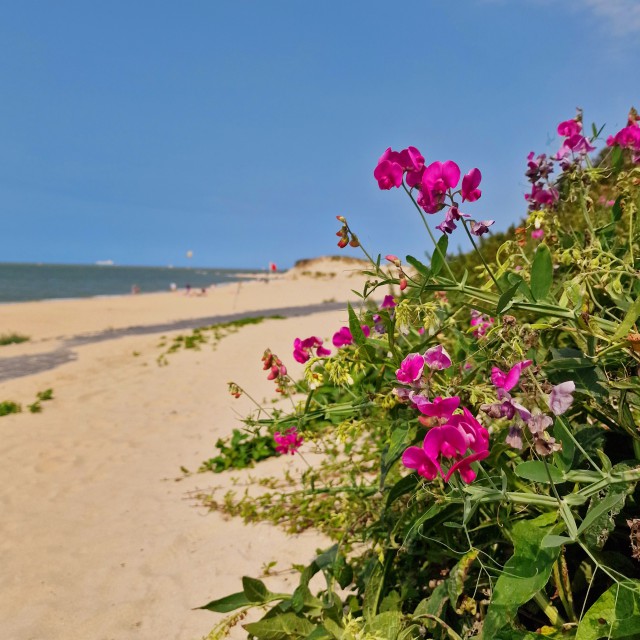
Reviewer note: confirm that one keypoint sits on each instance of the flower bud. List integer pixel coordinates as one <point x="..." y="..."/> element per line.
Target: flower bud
<point x="341" y="219"/>
<point x="403" y="284"/>
<point x="354" y="241"/>
<point x="344" y="241"/>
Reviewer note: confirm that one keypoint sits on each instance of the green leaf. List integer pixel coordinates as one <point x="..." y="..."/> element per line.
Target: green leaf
<point x="615" y="614"/>
<point x="564" y="457"/>
<point x="373" y="591"/>
<point x="255" y="590"/>
<point x="401" y="438"/>
<point x="439" y="255"/>
<point x="630" y="318"/>
<point x="541" y="272"/>
<point x="386" y="625"/>
<point x="551" y="540"/>
<point x="616" y="158"/>
<point x="601" y="507"/>
<point x="435" y="603"/>
<point x="458" y="576"/>
<point x="228" y="603"/>
<point x="616" y="210"/>
<point x="525" y="573"/>
<point x="418" y="266"/>
<point x="280" y="627"/>
<point x="536" y="471"/>
<point x="405" y="485"/>
<point x="354" y="326"/>
<point x="320" y="633"/>
<point x="505" y="300"/>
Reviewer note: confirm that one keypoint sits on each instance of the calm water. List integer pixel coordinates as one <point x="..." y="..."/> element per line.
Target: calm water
<point x="21" y="282"/>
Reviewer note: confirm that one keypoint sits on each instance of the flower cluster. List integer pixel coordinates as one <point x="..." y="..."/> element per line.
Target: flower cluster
<point x="402" y="278"/>
<point x="303" y="349"/>
<point x="575" y="145"/>
<point x="451" y="435"/>
<point x="537" y="423"/>
<point x="434" y="182"/>
<point x="277" y="371"/>
<point x="347" y="237"/>
<point x="629" y="136"/>
<point x="288" y="442"/>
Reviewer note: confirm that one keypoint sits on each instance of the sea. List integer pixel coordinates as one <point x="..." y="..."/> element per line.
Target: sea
<point x="23" y="282"/>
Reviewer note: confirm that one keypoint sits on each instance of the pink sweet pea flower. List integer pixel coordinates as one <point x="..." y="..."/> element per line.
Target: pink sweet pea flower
<point x="441" y="408"/>
<point x="343" y="337"/>
<point x="410" y="370"/>
<point x="476" y="436"/>
<point x="418" y="459"/>
<point x="507" y="381"/>
<point x="569" y="128"/>
<point x="388" y="171"/>
<point x="537" y="234"/>
<point x="288" y="442"/>
<point x="302" y="349"/>
<point x="561" y="397"/>
<point x="437" y="358"/>
<point x="481" y="322"/>
<point x="480" y="228"/>
<point x="463" y="467"/>
<point x="388" y="302"/>
<point x="438" y="177"/>
<point x="470" y="184"/>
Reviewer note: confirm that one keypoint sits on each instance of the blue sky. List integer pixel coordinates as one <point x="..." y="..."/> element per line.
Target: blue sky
<point x="135" y="131"/>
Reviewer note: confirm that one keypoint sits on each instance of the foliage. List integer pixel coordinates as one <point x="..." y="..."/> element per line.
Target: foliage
<point x="240" y="451"/>
<point x="481" y="432"/>
<point x="12" y="338"/>
<point x="211" y="334"/>
<point x="8" y="407"/>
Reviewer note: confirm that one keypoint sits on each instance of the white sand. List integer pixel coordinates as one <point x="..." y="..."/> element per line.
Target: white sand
<point x="97" y="538"/>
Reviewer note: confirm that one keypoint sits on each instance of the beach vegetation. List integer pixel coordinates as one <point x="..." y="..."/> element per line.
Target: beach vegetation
<point x="12" y="338"/>
<point x="7" y="407"/>
<point x="210" y="334"/>
<point x="479" y="420"/>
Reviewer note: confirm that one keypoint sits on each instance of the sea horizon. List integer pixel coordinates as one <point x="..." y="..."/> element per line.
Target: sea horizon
<point x="36" y="281"/>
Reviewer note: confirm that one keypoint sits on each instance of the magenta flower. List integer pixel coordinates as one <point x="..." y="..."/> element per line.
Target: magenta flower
<point x="410" y="370"/>
<point x="411" y="159"/>
<point x="481" y="322"/>
<point x="480" y="228"/>
<point x="288" y="442"/>
<point x="576" y="144"/>
<point x="438" y="177"/>
<point x="569" y="128"/>
<point x="388" y="302"/>
<point x="388" y="171"/>
<point x="537" y="234"/>
<point x="437" y="358"/>
<point x="463" y="467"/>
<point x="417" y="458"/>
<point x="507" y="381"/>
<point x="476" y="436"/>
<point x="302" y="349"/>
<point x="343" y="337"/>
<point x="541" y="196"/>
<point x="441" y="408"/>
<point x="470" y="184"/>
<point x="561" y="397"/>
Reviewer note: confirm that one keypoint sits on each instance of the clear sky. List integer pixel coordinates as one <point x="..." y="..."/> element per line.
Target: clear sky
<point x="136" y="131"/>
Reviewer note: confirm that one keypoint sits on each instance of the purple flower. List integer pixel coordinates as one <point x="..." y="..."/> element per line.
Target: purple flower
<point x="343" y="337"/>
<point x="482" y="227"/>
<point x="442" y="408"/>
<point x="470" y="184"/>
<point x="561" y="397"/>
<point x="514" y="437"/>
<point x="288" y="442"/>
<point x="302" y="349"/>
<point x="388" y="302"/>
<point x="481" y="322"/>
<point x="507" y="381"/>
<point x="437" y="358"/>
<point x="410" y="370"/>
<point x="569" y="128"/>
<point x="538" y="423"/>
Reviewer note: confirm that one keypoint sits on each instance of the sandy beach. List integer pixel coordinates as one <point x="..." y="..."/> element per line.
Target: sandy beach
<point x="98" y="537"/>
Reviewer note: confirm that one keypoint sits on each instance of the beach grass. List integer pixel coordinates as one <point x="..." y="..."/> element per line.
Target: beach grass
<point x="12" y="338"/>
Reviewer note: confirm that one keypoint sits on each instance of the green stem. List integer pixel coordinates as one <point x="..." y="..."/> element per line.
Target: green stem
<point x="426" y="224"/>
<point x="475" y="246"/>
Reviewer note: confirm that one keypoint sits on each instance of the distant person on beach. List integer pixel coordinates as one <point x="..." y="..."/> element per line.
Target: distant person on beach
<point x="187" y="289"/>
<point x="173" y="286"/>
<point x="135" y="289"/>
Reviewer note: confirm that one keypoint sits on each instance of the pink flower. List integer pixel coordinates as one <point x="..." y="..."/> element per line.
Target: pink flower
<point x="448" y="225"/>
<point x="561" y="397"/>
<point x="537" y="234"/>
<point x="541" y="196"/>
<point x="388" y="171"/>
<point x="480" y="228"/>
<point x="418" y="459"/>
<point x="388" y="302"/>
<point x="507" y="381"/>
<point x="438" y="177"/>
<point x="410" y="370"/>
<point x="576" y="144"/>
<point x="437" y="357"/>
<point x="302" y="349"/>
<point x="441" y="408"/>
<point x="569" y="128"/>
<point x="288" y="442"/>
<point x="470" y="184"/>
<point x="463" y="467"/>
<point x="482" y="323"/>
<point x="343" y="337"/>
<point x="476" y="436"/>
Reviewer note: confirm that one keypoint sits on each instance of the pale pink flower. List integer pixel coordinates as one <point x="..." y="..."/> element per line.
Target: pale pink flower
<point x="561" y="397"/>
<point x="437" y="357"/>
<point x="507" y="381"/>
<point x="482" y="227"/>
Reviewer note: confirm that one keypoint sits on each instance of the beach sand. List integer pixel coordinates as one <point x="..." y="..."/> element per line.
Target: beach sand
<point x="98" y="537"/>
